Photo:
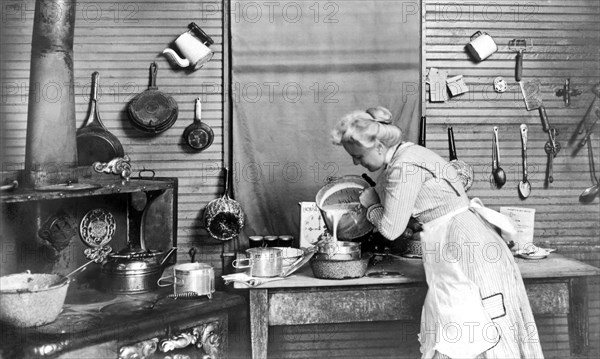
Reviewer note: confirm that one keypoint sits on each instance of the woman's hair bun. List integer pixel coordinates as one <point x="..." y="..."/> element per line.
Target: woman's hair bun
<point x="380" y="114"/>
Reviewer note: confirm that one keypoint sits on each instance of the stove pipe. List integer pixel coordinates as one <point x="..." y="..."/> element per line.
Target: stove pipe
<point x="51" y="147"/>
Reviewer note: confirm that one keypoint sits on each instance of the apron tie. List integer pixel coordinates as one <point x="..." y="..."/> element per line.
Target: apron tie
<point x="507" y="227"/>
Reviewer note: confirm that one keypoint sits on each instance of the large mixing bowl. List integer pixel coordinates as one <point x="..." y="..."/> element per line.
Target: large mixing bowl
<point x="29" y="300"/>
<point x="345" y="190"/>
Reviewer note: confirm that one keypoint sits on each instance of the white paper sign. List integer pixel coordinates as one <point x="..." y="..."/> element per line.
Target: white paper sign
<point x="524" y="218"/>
<point x="311" y="223"/>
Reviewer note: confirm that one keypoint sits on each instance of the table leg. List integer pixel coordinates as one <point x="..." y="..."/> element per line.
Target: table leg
<point x="259" y="322"/>
<point x="578" y="316"/>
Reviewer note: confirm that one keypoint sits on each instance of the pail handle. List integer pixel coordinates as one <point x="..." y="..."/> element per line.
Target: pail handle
<point x="476" y="35"/>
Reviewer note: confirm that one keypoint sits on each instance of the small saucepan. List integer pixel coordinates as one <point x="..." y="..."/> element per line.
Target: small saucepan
<point x="199" y="136"/>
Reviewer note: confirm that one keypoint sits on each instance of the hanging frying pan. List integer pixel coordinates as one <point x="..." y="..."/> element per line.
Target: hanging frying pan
<point x="94" y="142"/>
<point x="152" y="111"/>
<point x="198" y="135"/>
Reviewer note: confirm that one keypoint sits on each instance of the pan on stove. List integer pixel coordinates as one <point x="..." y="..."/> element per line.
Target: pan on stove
<point x="198" y="135"/>
<point x="152" y="111"/>
<point x="94" y="142"/>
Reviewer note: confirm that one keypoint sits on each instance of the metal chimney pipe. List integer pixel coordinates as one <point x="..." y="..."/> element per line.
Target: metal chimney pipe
<point x="51" y="147"/>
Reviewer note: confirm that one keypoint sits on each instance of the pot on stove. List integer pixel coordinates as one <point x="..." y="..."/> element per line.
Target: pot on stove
<point x="133" y="270"/>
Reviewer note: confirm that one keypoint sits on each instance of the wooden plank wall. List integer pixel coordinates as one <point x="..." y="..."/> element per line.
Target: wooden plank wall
<point x="566" y="44"/>
<point x="119" y="39"/>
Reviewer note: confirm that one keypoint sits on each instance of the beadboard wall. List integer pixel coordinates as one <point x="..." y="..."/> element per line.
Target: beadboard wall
<point x="565" y="44"/>
<point x="565" y="39"/>
<point x="120" y="39"/>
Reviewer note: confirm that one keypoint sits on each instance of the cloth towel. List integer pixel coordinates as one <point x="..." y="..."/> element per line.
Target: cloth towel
<point x="246" y="279"/>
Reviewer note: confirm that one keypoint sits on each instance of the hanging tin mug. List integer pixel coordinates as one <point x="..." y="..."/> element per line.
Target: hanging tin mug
<point x="481" y="46"/>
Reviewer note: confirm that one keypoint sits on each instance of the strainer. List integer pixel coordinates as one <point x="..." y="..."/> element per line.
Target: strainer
<point x="224" y="217"/>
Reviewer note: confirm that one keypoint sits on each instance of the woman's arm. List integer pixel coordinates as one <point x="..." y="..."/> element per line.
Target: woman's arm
<point x="403" y="183"/>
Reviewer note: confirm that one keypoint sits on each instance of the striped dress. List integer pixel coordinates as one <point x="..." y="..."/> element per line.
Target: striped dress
<point x="417" y="182"/>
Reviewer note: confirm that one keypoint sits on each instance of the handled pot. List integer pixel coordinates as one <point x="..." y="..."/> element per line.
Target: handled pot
<point x="262" y="261"/>
<point x="224" y="217"/>
<point x="132" y="271"/>
<point x="199" y="136"/>
<point x="198" y="278"/>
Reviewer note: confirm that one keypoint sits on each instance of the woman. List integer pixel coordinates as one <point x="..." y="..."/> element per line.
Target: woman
<point x="476" y="305"/>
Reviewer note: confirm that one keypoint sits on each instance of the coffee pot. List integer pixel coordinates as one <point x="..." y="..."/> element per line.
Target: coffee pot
<point x="193" y="46"/>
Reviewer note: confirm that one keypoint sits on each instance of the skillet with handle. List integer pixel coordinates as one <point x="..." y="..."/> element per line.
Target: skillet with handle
<point x="198" y="135"/>
<point x="94" y="142"/>
<point x="152" y="111"/>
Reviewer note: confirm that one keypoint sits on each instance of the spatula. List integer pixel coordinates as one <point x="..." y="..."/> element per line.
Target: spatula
<point x="532" y="94"/>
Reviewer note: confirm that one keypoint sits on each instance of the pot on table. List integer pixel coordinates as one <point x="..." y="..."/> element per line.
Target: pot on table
<point x="134" y="271"/>
<point x="262" y="262"/>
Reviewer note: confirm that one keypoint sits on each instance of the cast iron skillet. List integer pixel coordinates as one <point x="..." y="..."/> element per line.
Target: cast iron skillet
<point x="152" y="111"/>
<point x="198" y="135"/>
<point x="94" y="142"/>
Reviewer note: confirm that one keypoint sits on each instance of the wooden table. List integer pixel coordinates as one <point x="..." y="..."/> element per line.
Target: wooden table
<point x="555" y="285"/>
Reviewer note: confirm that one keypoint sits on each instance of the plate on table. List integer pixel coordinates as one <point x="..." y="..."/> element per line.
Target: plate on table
<point x="538" y="253"/>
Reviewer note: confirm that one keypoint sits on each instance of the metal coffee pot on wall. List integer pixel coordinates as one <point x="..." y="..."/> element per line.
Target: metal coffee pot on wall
<point x="194" y="48"/>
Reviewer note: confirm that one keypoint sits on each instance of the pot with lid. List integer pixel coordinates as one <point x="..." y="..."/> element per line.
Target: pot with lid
<point x="133" y="270"/>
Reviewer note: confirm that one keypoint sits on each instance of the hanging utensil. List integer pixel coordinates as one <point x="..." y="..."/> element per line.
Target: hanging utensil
<point x="423" y="131"/>
<point x="532" y="94"/>
<point x="464" y="170"/>
<point x="590" y="193"/>
<point x="524" y="185"/>
<point x="198" y="135"/>
<point x="497" y="171"/>
<point x="518" y="45"/>
<point x="224" y="217"/>
<point x="152" y="111"/>
<point x="552" y="147"/>
<point x="94" y="142"/>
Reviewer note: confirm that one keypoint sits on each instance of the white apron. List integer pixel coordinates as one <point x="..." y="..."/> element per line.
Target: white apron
<point x="454" y="321"/>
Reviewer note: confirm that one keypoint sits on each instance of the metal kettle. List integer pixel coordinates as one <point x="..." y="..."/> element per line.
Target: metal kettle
<point x="133" y="270"/>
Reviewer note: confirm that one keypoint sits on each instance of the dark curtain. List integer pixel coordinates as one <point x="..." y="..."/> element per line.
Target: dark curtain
<point x="297" y="67"/>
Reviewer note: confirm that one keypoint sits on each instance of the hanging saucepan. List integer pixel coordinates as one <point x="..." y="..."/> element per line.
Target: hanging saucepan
<point x="94" y="142"/>
<point x="198" y="135"/>
<point x="152" y="111"/>
<point x="224" y="217"/>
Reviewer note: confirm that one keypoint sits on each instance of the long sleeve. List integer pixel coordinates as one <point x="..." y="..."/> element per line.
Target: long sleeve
<point x="403" y="181"/>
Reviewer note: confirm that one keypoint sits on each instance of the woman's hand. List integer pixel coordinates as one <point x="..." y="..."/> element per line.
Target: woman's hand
<point x="369" y="197"/>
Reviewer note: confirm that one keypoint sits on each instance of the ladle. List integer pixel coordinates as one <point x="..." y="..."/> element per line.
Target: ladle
<point x="497" y="171"/>
<point x="78" y="269"/>
<point x="524" y="185"/>
<point x="590" y="193"/>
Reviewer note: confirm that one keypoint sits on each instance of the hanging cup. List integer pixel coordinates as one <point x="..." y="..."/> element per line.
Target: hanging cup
<point x="481" y="46"/>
